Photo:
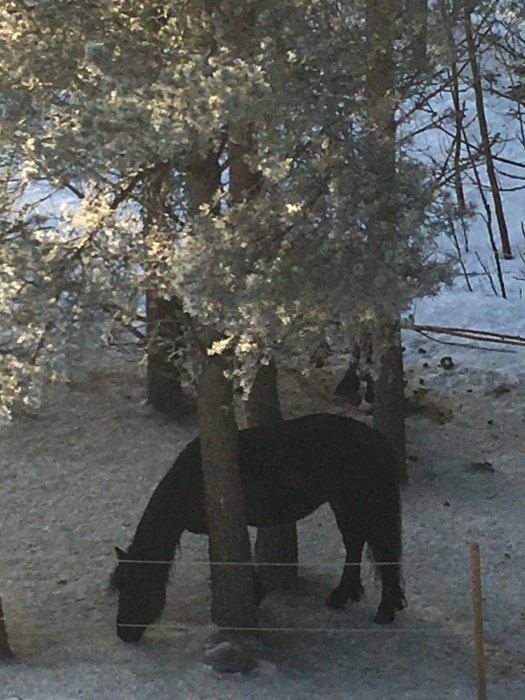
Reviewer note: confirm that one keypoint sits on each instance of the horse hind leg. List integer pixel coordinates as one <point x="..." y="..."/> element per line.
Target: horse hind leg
<point x="258" y="588"/>
<point x="350" y="586"/>
<point x="392" y="595"/>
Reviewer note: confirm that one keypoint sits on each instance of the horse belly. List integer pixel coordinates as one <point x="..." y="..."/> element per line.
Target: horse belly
<point x="271" y="502"/>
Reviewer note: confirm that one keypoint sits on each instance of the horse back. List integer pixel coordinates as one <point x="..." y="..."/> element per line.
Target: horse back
<point x="290" y="468"/>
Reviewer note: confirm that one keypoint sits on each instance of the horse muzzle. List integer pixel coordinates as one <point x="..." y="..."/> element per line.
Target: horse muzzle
<point x="130" y="633"/>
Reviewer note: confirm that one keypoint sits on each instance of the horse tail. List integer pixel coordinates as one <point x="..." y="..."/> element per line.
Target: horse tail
<point x="384" y="537"/>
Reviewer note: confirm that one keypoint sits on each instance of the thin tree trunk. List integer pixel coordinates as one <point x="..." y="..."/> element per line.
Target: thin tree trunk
<point x="274" y="545"/>
<point x="488" y="221"/>
<point x="233" y="598"/>
<point x="381" y="20"/>
<point x="458" y="121"/>
<point x="5" y="649"/>
<point x="485" y="138"/>
<point x="447" y="15"/>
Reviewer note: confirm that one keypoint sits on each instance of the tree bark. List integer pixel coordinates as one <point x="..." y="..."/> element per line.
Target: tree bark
<point x="381" y="20"/>
<point x="273" y="544"/>
<point x="233" y="597"/>
<point x="163" y="381"/>
<point x="278" y="544"/>
<point x="447" y="16"/>
<point x="233" y="593"/>
<point x="203" y="179"/>
<point x="417" y="14"/>
<point x="389" y="408"/>
<point x="5" y="649"/>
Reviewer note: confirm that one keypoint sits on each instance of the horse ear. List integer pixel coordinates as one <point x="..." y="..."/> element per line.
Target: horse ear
<point x="121" y="554"/>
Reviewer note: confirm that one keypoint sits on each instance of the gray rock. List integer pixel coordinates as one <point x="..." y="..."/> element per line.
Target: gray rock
<point x="226" y="657"/>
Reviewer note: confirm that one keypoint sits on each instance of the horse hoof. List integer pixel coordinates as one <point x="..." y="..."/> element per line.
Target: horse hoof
<point x="336" y="600"/>
<point x="384" y="617"/>
<point x="356" y="594"/>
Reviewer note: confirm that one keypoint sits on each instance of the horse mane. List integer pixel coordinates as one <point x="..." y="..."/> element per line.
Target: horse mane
<point x="158" y="533"/>
<point x="162" y="570"/>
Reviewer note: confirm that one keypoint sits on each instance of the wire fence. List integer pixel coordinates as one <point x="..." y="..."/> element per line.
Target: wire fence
<point x="200" y="563"/>
<point x="30" y="558"/>
<point x="190" y="628"/>
<point x="468" y="629"/>
<point x="313" y="564"/>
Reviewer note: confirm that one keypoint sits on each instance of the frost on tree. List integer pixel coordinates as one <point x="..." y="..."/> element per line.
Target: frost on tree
<point x="100" y="100"/>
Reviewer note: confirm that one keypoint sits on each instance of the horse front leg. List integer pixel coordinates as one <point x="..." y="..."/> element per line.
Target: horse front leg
<point x="259" y="589"/>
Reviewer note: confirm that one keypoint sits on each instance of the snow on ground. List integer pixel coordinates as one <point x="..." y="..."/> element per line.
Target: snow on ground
<point x="77" y="476"/>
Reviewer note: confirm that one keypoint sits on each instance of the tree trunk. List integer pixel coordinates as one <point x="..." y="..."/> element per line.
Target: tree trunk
<point x="233" y="597"/>
<point x="417" y="15"/>
<point x="389" y="409"/>
<point x="5" y="650"/>
<point x="233" y="593"/>
<point x="163" y="384"/>
<point x="447" y="17"/>
<point x="164" y="390"/>
<point x="485" y="136"/>
<point x="263" y="406"/>
<point x="359" y="371"/>
<point x="381" y="20"/>
<point x="274" y="545"/>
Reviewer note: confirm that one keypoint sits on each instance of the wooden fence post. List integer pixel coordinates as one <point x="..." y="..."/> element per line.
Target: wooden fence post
<point x="477" y="607"/>
<point x="5" y="649"/>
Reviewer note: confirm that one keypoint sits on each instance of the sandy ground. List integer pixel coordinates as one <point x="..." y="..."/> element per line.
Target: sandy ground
<point x="77" y="475"/>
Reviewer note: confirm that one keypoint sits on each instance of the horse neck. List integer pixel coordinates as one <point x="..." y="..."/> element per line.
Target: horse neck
<point x="159" y="530"/>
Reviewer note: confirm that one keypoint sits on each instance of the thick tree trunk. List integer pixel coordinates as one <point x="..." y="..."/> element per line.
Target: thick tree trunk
<point x="274" y="545"/>
<point x="5" y="649"/>
<point x="164" y="390"/>
<point x="381" y="20"/>
<point x="389" y="409"/>
<point x="233" y="593"/>
<point x="359" y="371"/>
<point x="263" y="406"/>
<point x="203" y="179"/>
<point x="163" y="384"/>
<point x="233" y="597"/>
<point x="417" y="16"/>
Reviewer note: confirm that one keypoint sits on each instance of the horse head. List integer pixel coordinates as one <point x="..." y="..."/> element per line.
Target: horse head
<point x="141" y="587"/>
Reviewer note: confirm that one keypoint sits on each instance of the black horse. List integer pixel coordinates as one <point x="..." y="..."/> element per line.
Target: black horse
<point x="287" y="470"/>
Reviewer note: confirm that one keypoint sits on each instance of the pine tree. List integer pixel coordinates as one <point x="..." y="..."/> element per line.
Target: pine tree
<point x="101" y="100"/>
